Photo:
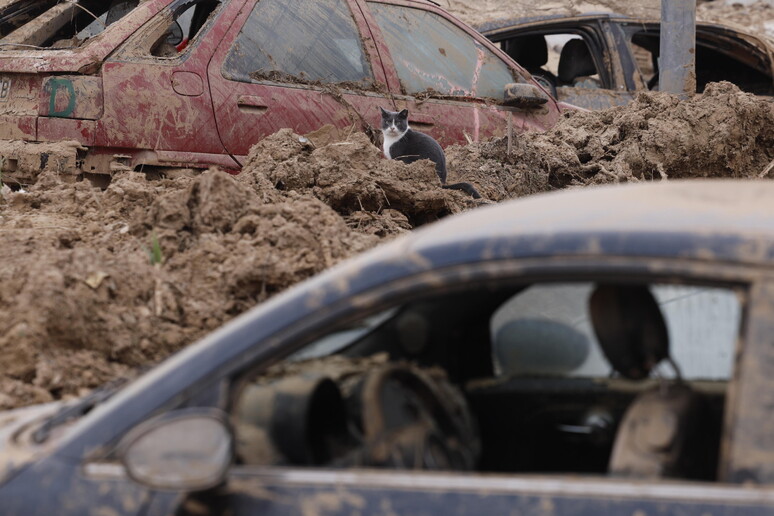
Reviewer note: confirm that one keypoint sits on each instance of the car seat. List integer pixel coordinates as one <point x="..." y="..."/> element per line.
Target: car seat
<point x="531" y="52"/>
<point x="576" y="64"/>
<point x="659" y="434"/>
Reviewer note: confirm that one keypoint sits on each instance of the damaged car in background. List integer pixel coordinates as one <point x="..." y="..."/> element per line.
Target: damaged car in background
<point x="502" y="361"/>
<point x="90" y="87"/>
<point x="602" y="60"/>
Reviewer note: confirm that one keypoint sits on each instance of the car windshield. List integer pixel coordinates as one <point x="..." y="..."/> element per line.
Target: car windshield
<point x="52" y="24"/>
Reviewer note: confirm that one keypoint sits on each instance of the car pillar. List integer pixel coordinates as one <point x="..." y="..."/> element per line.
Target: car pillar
<point x="677" y="61"/>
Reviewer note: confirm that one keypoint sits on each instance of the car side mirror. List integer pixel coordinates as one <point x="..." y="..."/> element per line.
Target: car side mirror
<point x="183" y="450"/>
<point x="522" y="95"/>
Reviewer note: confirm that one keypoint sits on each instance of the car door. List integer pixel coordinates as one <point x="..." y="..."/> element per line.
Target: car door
<point x="295" y="64"/>
<point x="449" y="78"/>
<point x="157" y="102"/>
<point x="472" y="324"/>
<point x="584" y="59"/>
<point x="710" y="317"/>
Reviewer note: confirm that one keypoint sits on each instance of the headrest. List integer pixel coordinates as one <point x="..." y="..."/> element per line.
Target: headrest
<point x="575" y="61"/>
<point x="532" y="346"/>
<point x="630" y="328"/>
<point x="529" y="51"/>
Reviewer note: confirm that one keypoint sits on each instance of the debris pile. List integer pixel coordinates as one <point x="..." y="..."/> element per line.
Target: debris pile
<point x="96" y="283"/>
<point x="720" y="133"/>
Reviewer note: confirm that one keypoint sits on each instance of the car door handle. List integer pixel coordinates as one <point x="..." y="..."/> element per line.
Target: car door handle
<point x="251" y="104"/>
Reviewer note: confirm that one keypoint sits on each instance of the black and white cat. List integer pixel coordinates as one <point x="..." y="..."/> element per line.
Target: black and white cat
<point x="404" y="144"/>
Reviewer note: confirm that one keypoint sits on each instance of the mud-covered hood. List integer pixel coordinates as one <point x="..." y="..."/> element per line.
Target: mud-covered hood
<point x="17" y="448"/>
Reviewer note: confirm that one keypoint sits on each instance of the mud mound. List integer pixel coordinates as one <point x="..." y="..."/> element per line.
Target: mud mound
<point x="350" y="176"/>
<point x="721" y="133"/>
<point x="97" y="283"/>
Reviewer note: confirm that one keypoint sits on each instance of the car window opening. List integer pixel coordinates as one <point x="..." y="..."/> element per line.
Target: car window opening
<point x="53" y="24"/>
<point x="281" y="42"/>
<point x="555" y="60"/>
<point x="184" y="27"/>
<point x="716" y="60"/>
<point x="548" y="378"/>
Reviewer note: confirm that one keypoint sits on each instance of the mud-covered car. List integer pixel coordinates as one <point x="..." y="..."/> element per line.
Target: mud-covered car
<point x="164" y="84"/>
<point x="602" y="60"/>
<point x="511" y="360"/>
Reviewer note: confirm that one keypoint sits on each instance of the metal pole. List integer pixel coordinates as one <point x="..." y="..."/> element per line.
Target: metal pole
<point x="677" y="61"/>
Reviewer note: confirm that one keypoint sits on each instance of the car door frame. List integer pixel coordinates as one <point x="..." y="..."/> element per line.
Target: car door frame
<point x="609" y="50"/>
<point x="745" y="445"/>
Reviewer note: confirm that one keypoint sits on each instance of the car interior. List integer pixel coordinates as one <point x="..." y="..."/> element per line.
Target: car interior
<point x="54" y="24"/>
<point x="718" y="58"/>
<point x="618" y="379"/>
<point x="58" y="25"/>
<point x="555" y="60"/>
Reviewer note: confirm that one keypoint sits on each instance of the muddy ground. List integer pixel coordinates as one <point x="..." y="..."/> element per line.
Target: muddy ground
<point x="98" y="283"/>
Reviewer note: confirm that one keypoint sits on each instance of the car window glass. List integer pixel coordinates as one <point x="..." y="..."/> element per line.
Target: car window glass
<point x="295" y="40"/>
<point x="433" y="55"/>
<point x="57" y="25"/>
<point x="702" y="324"/>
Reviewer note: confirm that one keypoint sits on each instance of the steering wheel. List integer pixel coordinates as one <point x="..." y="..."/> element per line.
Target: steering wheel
<point x="413" y="421"/>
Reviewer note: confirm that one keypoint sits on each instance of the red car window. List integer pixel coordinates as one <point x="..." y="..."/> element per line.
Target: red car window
<point x="311" y="41"/>
<point x="432" y="54"/>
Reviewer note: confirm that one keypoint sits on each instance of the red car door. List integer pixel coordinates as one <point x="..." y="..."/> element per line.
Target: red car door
<point x="157" y="101"/>
<point x="450" y="78"/>
<point x="296" y="64"/>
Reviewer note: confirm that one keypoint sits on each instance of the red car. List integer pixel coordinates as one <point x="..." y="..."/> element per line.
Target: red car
<point x="187" y="83"/>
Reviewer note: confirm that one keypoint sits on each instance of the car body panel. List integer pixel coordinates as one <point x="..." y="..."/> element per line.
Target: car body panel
<point x="129" y="109"/>
<point x="144" y="106"/>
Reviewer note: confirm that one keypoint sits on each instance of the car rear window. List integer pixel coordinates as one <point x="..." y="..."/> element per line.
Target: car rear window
<point x="298" y="41"/>
<point x="702" y="322"/>
<point x="53" y="24"/>
<point x="431" y="54"/>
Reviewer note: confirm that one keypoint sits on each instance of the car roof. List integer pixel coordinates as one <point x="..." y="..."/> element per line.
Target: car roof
<point x="691" y="218"/>
<point x="495" y="25"/>
<point x="491" y="27"/>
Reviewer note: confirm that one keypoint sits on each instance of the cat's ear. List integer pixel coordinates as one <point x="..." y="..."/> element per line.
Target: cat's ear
<point x="403" y="114"/>
<point x="384" y="111"/>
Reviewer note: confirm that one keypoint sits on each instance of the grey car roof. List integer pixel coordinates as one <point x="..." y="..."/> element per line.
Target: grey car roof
<point x="699" y="207"/>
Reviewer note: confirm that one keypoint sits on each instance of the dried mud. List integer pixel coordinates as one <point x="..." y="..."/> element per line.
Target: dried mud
<point x="98" y="283"/>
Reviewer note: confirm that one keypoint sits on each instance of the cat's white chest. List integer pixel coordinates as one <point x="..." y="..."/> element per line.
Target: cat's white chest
<point x="388" y="141"/>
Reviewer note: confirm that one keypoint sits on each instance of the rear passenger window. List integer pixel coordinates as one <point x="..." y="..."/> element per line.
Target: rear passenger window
<point x="298" y="40"/>
<point x="702" y="324"/>
<point x="433" y="55"/>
